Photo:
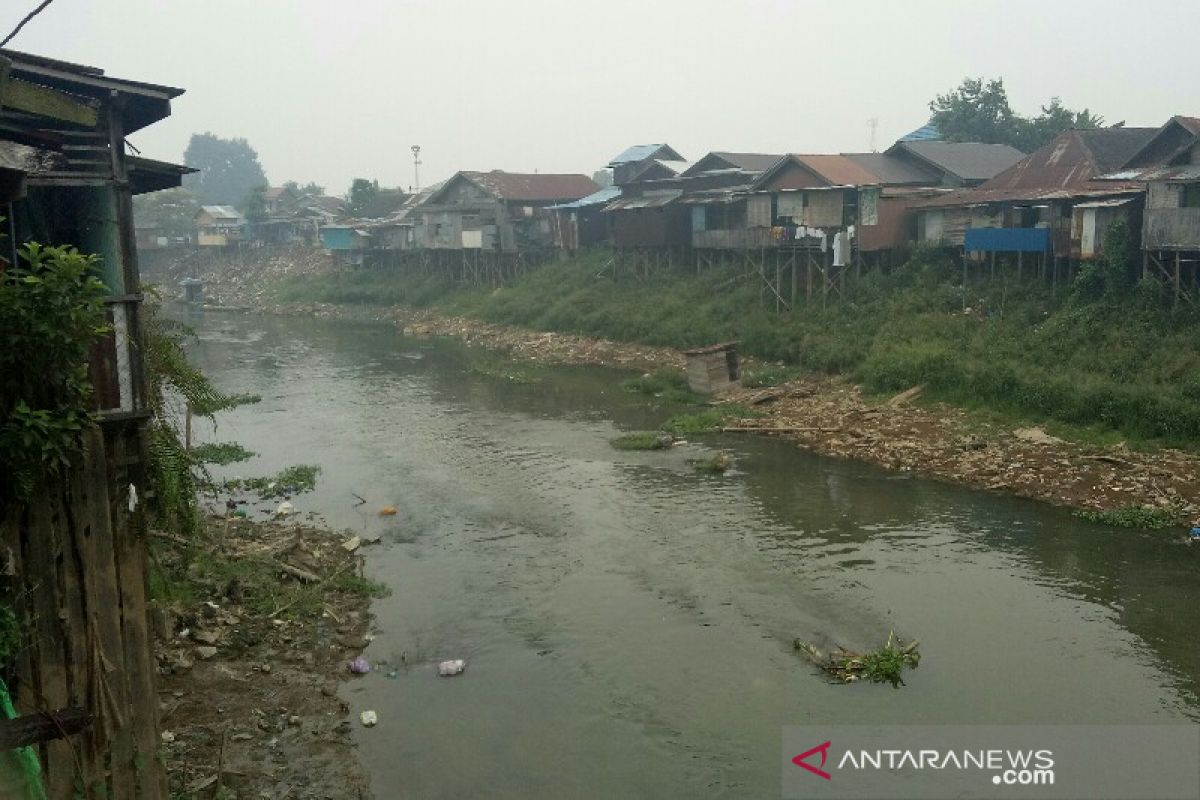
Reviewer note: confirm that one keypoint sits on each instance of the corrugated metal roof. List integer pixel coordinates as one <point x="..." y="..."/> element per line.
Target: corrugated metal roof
<point x="1182" y="172"/>
<point x="926" y="133"/>
<point x="656" y="200"/>
<point x="1112" y="147"/>
<point x="726" y="194"/>
<point x="753" y="163"/>
<point x="968" y="161"/>
<point x="1110" y="203"/>
<point x="839" y="170"/>
<point x="1068" y="166"/>
<point x="640" y="152"/>
<point x="221" y="212"/>
<point x="605" y="195"/>
<point x="532" y="186"/>
<point x="982" y="197"/>
<point x="893" y="171"/>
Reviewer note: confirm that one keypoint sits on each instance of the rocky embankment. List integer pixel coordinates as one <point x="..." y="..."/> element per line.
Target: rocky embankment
<point x="826" y="415"/>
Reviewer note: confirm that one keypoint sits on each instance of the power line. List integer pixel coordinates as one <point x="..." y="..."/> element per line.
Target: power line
<point x="23" y="22"/>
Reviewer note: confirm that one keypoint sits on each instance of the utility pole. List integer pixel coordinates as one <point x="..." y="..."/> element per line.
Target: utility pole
<point x="416" y="151"/>
<point x="873" y="125"/>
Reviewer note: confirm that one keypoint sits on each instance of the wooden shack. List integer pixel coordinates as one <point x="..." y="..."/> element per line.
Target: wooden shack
<point x="713" y="370"/>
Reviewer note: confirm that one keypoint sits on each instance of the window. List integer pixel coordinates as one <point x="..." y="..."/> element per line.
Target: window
<point x="1190" y="196"/>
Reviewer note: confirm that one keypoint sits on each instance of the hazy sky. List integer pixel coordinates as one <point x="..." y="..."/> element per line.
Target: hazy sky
<point x="327" y="90"/>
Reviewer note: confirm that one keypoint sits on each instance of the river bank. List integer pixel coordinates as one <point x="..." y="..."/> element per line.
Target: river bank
<point x="255" y="623"/>
<point x="831" y="415"/>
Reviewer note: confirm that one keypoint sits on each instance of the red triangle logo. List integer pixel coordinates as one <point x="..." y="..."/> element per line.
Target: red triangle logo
<point x="800" y="760"/>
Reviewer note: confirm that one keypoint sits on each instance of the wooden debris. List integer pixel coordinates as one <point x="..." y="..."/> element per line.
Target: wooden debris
<point x="907" y="395"/>
<point x="37" y="728"/>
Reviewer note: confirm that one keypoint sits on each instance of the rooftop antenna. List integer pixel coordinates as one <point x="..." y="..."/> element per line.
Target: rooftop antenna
<point x="416" y="151"/>
<point x="873" y="126"/>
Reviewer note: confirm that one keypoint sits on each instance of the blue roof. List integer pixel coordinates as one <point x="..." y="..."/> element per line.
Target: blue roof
<point x="640" y="152"/>
<point x="605" y="195"/>
<point x="926" y="133"/>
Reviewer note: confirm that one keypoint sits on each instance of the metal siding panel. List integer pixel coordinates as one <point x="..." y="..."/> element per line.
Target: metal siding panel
<point x="824" y="209"/>
<point x="758" y="211"/>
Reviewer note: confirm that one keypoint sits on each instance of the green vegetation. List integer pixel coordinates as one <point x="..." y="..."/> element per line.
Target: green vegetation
<point x="491" y="365"/>
<point x="290" y="481"/>
<point x="669" y="384"/>
<point x="642" y="441"/>
<point x="978" y="111"/>
<point x="885" y="664"/>
<point x="364" y="587"/>
<point x="713" y="465"/>
<point x="12" y="636"/>
<point x="1105" y="352"/>
<point x="220" y="566"/>
<point x="769" y="375"/>
<point x="1135" y="517"/>
<point x="175" y="388"/>
<point x="51" y="311"/>
<point x="707" y="421"/>
<point x="222" y="453"/>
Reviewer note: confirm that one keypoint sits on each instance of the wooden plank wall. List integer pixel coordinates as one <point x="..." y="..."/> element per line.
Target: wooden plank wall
<point x="79" y="566"/>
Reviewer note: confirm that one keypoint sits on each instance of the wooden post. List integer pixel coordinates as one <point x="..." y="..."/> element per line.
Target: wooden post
<point x="1178" y="287"/>
<point x="778" y="283"/>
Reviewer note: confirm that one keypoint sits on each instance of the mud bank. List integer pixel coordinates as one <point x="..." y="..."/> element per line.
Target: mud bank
<point x="255" y="629"/>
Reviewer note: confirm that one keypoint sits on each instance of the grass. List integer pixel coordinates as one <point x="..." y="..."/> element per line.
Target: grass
<point x="708" y="421"/>
<point x="491" y="365"/>
<point x="642" y="441"/>
<point x="666" y="383"/>
<point x="183" y="578"/>
<point x="769" y="375"/>
<point x="1135" y="517"/>
<point x="364" y="587"/>
<point x="713" y="465"/>
<point x="1105" y="354"/>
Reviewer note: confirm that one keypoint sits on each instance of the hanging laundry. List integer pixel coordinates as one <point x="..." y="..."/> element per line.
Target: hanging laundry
<point x="840" y="248"/>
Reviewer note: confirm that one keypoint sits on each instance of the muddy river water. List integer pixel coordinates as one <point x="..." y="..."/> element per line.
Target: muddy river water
<point x="628" y="623"/>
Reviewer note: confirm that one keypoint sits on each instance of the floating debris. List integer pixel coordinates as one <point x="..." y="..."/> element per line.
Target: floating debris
<point x="643" y="441"/>
<point x="387" y="511"/>
<point x="715" y="465"/>
<point x="368" y="719"/>
<point x="448" y="669"/>
<point x="359" y="666"/>
<point x="883" y="665"/>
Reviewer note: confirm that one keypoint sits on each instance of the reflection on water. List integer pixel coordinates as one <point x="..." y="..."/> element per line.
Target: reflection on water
<point x="628" y="623"/>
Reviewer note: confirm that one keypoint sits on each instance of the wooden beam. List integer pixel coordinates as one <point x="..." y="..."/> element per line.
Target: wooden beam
<point x="43" y="101"/>
<point x="37" y="728"/>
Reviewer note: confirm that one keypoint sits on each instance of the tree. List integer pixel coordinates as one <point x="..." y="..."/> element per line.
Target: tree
<point x="254" y="205"/>
<point x="362" y="193"/>
<point x="368" y="200"/>
<point x="979" y="111"/>
<point x="229" y="169"/>
<point x="1054" y="119"/>
<point x="172" y="211"/>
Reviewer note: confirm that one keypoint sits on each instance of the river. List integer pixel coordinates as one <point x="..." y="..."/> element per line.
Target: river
<point x="628" y="623"/>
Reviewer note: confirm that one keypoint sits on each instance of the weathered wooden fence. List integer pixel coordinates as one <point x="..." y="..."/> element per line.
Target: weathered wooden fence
<point x="75" y="559"/>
